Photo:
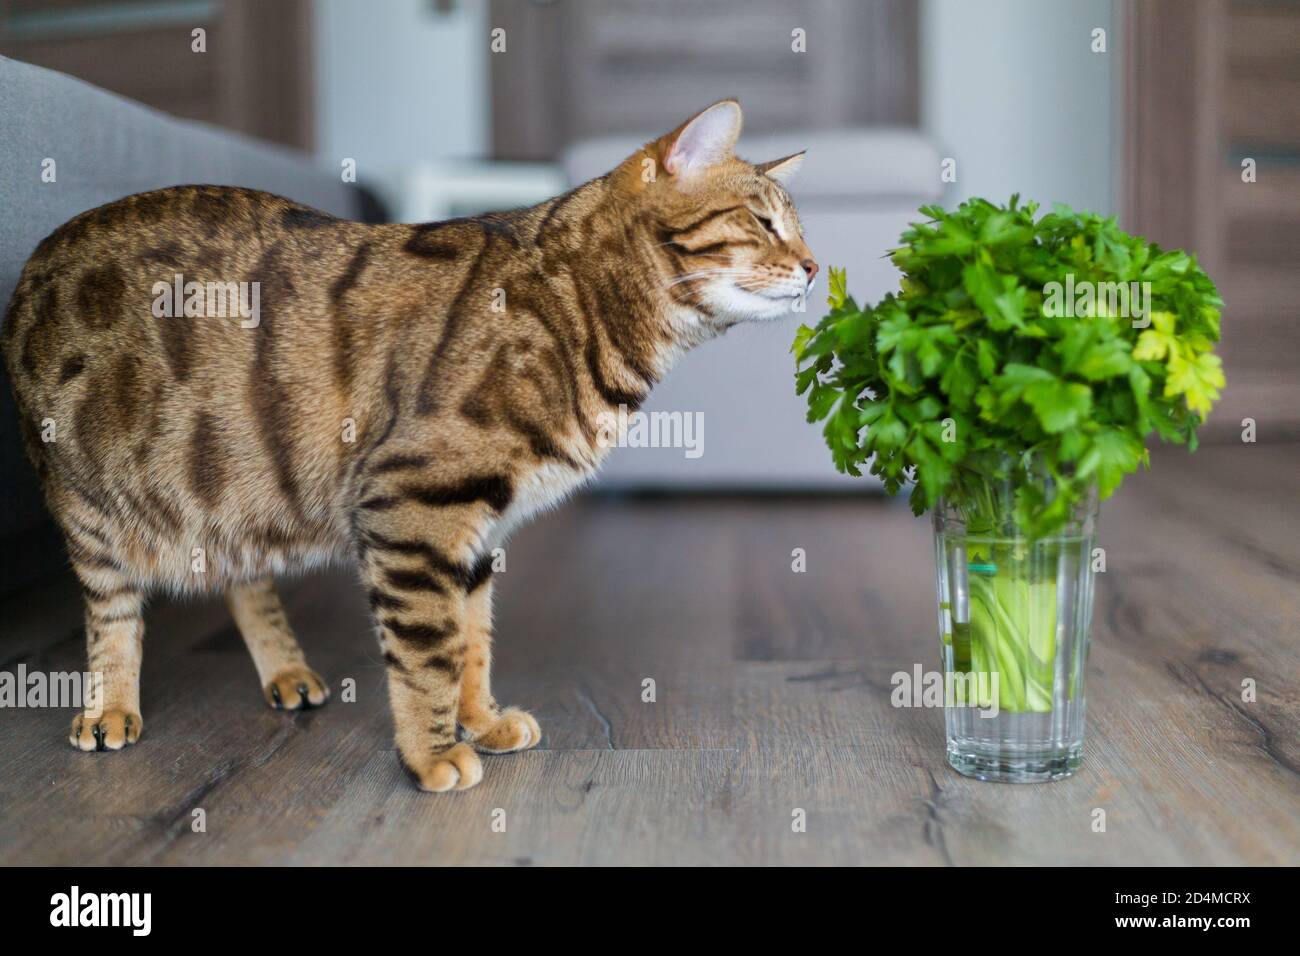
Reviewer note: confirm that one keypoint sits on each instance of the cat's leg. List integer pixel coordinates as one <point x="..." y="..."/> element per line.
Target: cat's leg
<point x="287" y="682"/>
<point x="415" y="582"/>
<point x="114" y="646"/>
<point x="114" y="598"/>
<point x="492" y="729"/>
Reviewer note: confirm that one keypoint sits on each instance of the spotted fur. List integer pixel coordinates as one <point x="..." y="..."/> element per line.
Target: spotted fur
<point x="410" y="395"/>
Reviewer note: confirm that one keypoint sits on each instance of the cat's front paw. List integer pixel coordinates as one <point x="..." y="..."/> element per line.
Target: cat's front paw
<point x="514" y="729"/>
<point x="457" y="768"/>
<point x="296" y="688"/>
<point x="111" y="730"/>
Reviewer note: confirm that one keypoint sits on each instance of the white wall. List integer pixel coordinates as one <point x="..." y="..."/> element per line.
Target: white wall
<point x="397" y="82"/>
<point x="1012" y="91"/>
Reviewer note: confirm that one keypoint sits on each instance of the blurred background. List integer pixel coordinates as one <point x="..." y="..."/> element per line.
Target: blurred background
<point x="450" y="107"/>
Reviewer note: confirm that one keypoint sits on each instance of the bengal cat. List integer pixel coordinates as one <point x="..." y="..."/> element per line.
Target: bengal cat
<point x="406" y="395"/>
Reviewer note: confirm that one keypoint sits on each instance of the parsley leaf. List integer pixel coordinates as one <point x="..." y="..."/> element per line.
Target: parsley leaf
<point x="1037" y="351"/>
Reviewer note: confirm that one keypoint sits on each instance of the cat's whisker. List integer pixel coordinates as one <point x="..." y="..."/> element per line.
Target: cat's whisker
<point x="709" y="274"/>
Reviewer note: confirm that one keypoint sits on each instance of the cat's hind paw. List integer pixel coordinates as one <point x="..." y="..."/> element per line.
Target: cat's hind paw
<point x="457" y="768"/>
<point x="514" y="729"/>
<point x="296" y="688"/>
<point x="112" y="730"/>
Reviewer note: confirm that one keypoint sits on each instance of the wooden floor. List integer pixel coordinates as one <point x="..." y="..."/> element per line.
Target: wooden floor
<point x="773" y="693"/>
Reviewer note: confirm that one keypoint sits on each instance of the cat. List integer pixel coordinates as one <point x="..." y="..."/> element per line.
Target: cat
<point x="401" y="395"/>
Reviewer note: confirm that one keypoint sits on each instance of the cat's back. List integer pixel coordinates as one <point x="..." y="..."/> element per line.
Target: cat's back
<point x="180" y="334"/>
<point x="201" y="226"/>
<point x="96" y="283"/>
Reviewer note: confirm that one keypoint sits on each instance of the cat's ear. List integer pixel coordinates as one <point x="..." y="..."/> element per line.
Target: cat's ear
<point x="782" y="170"/>
<point x="702" y="141"/>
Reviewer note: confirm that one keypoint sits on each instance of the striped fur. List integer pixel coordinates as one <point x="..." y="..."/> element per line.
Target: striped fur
<point x="410" y="395"/>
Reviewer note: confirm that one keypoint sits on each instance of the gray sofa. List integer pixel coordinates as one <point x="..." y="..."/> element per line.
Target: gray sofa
<point x="103" y="148"/>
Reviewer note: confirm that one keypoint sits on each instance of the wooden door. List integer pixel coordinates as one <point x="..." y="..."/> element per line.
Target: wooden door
<point x="1211" y="99"/>
<point x="253" y="75"/>
<point x="577" y="68"/>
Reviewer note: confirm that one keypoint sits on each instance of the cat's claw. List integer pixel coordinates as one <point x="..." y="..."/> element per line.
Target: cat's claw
<point x="296" y="688"/>
<point x="112" y="730"/>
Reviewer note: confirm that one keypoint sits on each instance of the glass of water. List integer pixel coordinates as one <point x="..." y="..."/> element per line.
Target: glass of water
<point x="1014" y="619"/>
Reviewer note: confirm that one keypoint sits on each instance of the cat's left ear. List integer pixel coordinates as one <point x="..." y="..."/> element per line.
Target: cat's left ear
<point x="702" y="141"/>
<point x="782" y="170"/>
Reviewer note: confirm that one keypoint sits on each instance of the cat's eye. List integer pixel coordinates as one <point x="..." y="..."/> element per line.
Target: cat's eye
<point x="765" y="223"/>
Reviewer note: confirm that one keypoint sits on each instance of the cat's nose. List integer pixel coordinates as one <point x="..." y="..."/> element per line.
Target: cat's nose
<point x="810" y="267"/>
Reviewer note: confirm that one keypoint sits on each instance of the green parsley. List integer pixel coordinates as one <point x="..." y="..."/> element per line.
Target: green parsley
<point x="1037" y="352"/>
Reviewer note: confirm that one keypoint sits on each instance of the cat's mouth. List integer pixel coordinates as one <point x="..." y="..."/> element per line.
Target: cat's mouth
<point x="767" y="302"/>
<point x="739" y="295"/>
<point x="792" y="289"/>
<point x="785" y="291"/>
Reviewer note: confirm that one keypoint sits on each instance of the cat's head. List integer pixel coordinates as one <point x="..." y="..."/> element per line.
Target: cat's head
<point x="724" y="233"/>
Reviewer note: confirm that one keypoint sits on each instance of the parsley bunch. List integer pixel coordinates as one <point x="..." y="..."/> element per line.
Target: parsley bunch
<point x="984" y="370"/>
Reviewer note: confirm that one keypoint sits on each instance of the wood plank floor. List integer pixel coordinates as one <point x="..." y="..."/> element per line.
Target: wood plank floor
<point x="772" y="693"/>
